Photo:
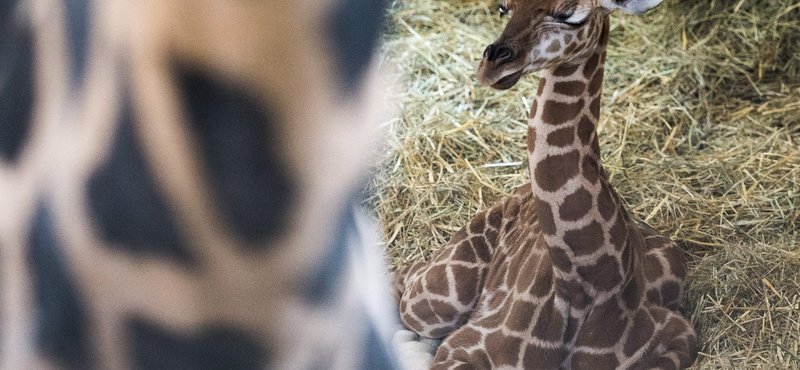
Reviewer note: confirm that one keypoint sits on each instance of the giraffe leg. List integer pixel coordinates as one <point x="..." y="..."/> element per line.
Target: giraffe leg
<point x="439" y="295"/>
<point x="664" y="269"/>
<point x="672" y="346"/>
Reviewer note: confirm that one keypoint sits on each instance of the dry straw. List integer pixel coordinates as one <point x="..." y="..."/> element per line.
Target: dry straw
<point x="700" y="135"/>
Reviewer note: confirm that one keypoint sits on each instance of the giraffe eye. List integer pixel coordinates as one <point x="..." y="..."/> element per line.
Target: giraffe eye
<point x="503" y="10"/>
<point x="572" y="18"/>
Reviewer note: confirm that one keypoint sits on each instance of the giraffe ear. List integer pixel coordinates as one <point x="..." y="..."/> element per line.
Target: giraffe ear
<point x="630" y="6"/>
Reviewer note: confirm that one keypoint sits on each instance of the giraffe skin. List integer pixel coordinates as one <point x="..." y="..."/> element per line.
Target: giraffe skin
<point x="558" y="275"/>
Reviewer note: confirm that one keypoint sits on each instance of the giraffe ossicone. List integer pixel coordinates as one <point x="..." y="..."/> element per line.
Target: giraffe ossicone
<point x="558" y="275"/>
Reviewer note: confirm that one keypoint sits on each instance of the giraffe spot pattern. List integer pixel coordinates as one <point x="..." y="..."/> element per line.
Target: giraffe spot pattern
<point x="481" y="248"/>
<point x="594" y="107"/>
<point x="465" y="337"/>
<point x="609" y="322"/>
<point x="546" y="221"/>
<point x="603" y="275"/>
<point x="466" y="282"/>
<point x="652" y="267"/>
<point x="586" y="240"/>
<point x="581" y="360"/>
<point x="520" y="316"/>
<point x="596" y="83"/>
<point x="670" y="292"/>
<point x="216" y="347"/>
<point x="464" y="253"/>
<point x="126" y="204"/>
<point x="240" y="145"/>
<point x="16" y="82"/>
<point x="618" y="233"/>
<point x="503" y="350"/>
<point x="633" y="292"/>
<point x="78" y="25"/>
<point x="355" y="27"/>
<point x="565" y="70"/>
<point x="554" y="171"/>
<point x="585" y="130"/>
<point x="557" y="113"/>
<point x="436" y="280"/>
<point x="531" y="137"/>
<point x="539" y="357"/>
<point x="589" y="169"/>
<point x="569" y="88"/>
<point x="561" y="137"/>
<point x="644" y="331"/>
<point x="478" y="223"/>
<point x="554" y="46"/>
<point x="543" y="284"/>
<point x="495" y="217"/>
<point x="591" y="65"/>
<point x="676" y="262"/>
<point x="605" y="204"/>
<point x="576" y="205"/>
<point x="550" y="324"/>
<point x="61" y="331"/>
<point x="542" y="85"/>
<point x="322" y="286"/>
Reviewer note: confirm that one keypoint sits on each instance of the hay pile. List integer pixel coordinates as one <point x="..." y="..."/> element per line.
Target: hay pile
<point x="700" y="135"/>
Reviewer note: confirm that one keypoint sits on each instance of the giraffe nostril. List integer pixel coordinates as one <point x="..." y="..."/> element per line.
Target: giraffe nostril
<point x="498" y="53"/>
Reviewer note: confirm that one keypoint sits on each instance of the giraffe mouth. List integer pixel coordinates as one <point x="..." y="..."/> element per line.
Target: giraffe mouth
<point x="508" y="81"/>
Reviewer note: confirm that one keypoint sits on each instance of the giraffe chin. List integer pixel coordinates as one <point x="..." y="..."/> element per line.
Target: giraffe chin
<point x="507" y="82"/>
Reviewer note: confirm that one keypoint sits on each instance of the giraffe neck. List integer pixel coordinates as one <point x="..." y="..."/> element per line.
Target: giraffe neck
<point x="581" y="218"/>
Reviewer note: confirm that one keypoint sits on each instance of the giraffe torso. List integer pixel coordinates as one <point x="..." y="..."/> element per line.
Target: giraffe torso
<point x="179" y="185"/>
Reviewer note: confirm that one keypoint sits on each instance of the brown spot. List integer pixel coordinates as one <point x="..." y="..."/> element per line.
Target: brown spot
<point x="581" y="33"/>
<point x="585" y="130"/>
<point x="654" y="297"/>
<point x="569" y="88"/>
<point x="550" y="324"/>
<point x="605" y="204"/>
<point x="481" y="248"/>
<point x="531" y="138"/>
<point x="545" y="213"/>
<point x="618" y="233"/>
<point x="445" y="311"/>
<point x="536" y="357"/>
<point x="596" y="147"/>
<point x="496" y="217"/>
<point x="520" y="316"/>
<point x="463" y="252"/>
<point x="424" y="311"/>
<point x="436" y="280"/>
<point x="594" y="108"/>
<point x="604" y="327"/>
<point x="597" y="83"/>
<point x="572" y="291"/>
<point x="560" y="259"/>
<point x="543" y="282"/>
<point x="561" y="137"/>
<point x="491" y="236"/>
<point x="478" y="223"/>
<point x="652" y="267"/>
<point x="440" y="332"/>
<point x="565" y="70"/>
<point x="639" y="337"/>
<point x="534" y="108"/>
<point x="523" y="281"/>
<point x="633" y="293"/>
<point x="570" y="49"/>
<point x="557" y="113"/>
<point x="603" y="275"/>
<point x="604" y="34"/>
<point x="542" y="84"/>
<point x="459" y="236"/>
<point x="554" y="171"/>
<point x="591" y="65"/>
<point x="412" y="323"/>
<point x="503" y="350"/>
<point x="671" y="292"/>
<point x="492" y="321"/>
<point x="576" y="205"/>
<point x="676" y="261"/>
<point x="567" y="38"/>
<point x="467" y="280"/>
<point x="571" y="330"/>
<point x="582" y="360"/>
<point x="554" y="46"/>
<point x="586" y="240"/>
<point x="465" y="337"/>
<point x="589" y="169"/>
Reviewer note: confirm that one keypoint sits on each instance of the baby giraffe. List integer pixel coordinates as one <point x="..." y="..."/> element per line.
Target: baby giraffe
<point x="557" y="276"/>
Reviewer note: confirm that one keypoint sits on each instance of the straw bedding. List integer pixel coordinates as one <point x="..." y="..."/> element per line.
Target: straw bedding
<point x="700" y="135"/>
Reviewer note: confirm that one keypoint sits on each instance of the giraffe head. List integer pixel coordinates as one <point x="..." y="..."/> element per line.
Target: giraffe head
<point x="542" y="34"/>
